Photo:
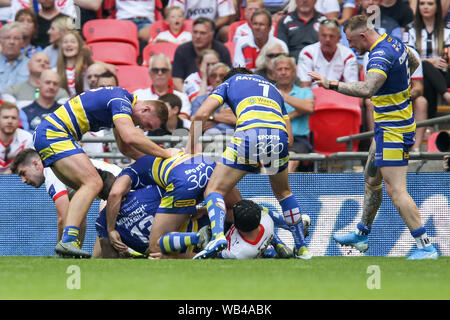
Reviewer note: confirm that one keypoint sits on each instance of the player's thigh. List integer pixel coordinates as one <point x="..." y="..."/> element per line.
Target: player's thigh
<point x="164" y="223"/>
<point x="394" y="179"/>
<point x="223" y="179"/>
<point x="77" y="170"/>
<point x="280" y="184"/>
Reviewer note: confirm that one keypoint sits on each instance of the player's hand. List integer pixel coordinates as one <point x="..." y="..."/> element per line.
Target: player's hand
<point x="173" y="151"/>
<point x="116" y="242"/>
<point x="319" y="80"/>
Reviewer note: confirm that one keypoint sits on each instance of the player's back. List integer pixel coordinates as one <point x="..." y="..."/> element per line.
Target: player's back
<point x="93" y="110"/>
<point x="256" y="102"/>
<point x="393" y="107"/>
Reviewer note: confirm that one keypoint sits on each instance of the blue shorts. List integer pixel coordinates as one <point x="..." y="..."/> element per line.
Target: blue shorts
<point x="53" y="142"/>
<point x="392" y="148"/>
<point x="252" y="149"/>
<point x="186" y="185"/>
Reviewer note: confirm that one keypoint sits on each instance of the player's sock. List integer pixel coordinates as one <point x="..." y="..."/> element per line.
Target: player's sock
<point x="277" y="218"/>
<point x="176" y="241"/>
<point x="216" y="213"/>
<point x="70" y="234"/>
<point x="420" y="235"/>
<point x="293" y="218"/>
<point x="362" y="229"/>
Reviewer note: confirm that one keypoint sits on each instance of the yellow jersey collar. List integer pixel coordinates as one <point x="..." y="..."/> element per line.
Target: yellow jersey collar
<point x="378" y="41"/>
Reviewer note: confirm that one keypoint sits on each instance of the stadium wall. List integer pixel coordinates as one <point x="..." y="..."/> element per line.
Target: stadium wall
<point x="333" y="201"/>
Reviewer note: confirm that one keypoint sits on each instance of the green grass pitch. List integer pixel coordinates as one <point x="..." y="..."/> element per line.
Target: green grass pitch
<point x="264" y="279"/>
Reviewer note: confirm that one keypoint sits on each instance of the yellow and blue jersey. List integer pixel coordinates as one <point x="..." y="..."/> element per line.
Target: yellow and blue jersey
<point x="183" y="178"/>
<point x="93" y="110"/>
<point x="392" y="102"/>
<point x="256" y="102"/>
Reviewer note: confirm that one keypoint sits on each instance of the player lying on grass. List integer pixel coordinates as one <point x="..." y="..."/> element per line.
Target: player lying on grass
<point x="248" y="238"/>
<point x="28" y="165"/>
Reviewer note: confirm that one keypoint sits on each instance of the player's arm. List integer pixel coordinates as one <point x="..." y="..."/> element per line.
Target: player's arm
<point x="362" y="89"/>
<point x="133" y="143"/>
<point x="413" y="62"/>
<point x="198" y="120"/>
<point x="120" y="188"/>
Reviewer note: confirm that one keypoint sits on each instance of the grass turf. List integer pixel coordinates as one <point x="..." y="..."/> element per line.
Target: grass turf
<point x="319" y="278"/>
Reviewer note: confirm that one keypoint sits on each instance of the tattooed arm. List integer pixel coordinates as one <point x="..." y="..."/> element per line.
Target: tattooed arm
<point x="413" y="62"/>
<point x="361" y="89"/>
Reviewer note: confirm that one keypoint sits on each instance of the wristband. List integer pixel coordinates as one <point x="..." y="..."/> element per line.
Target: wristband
<point x="333" y="85"/>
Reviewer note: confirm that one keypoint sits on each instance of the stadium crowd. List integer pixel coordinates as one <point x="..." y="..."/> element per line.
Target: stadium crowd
<point x="184" y="39"/>
<point x="49" y="54"/>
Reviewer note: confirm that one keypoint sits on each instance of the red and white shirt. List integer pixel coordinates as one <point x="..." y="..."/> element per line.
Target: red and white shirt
<point x="342" y="67"/>
<point x="22" y="139"/>
<point x="241" y="248"/>
<point x="127" y="9"/>
<point x="70" y="75"/>
<point x="213" y="9"/>
<point x="247" y="51"/>
<point x="191" y="85"/>
<point x="55" y="188"/>
<point x="150" y="94"/>
<point x="182" y="37"/>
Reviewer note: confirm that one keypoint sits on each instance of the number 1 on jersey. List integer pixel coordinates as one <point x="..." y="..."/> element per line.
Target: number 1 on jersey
<point x="265" y="89"/>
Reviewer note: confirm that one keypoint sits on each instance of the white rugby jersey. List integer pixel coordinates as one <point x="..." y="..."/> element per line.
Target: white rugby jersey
<point x="192" y="83"/>
<point x="246" y="51"/>
<point x="327" y="6"/>
<point x="429" y="42"/>
<point x="240" y="248"/>
<point x="150" y="94"/>
<point x="55" y="188"/>
<point x="342" y="67"/>
<point x="180" y="38"/>
<point x="194" y="9"/>
<point x="136" y="8"/>
<point x="22" y="139"/>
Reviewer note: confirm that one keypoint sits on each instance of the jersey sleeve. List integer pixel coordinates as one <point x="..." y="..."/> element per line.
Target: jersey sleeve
<point x="54" y="187"/>
<point x="380" y="61"/>
<point x="121" y="105"/>
<point x="221" y="92"/>
<point x="139" y="172"/>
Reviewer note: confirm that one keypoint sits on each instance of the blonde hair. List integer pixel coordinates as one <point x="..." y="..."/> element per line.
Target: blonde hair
<point x="168" y="10"/>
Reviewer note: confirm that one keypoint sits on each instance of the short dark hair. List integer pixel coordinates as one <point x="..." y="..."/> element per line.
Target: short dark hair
<point x="172" y="99"/>
<point x="109" y="74"/>
<point x="23" y="157"/>
<point x="247" y="215"/>
<point x="202" y="20"/>
<point x="237" y="70"/>
<point x="260" y="12"/>
<point x="108" y="180"/>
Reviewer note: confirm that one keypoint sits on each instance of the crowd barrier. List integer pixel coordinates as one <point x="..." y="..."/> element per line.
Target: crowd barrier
<point x="333" y="201"/>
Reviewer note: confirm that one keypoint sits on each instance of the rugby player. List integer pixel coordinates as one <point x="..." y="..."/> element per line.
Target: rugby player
<point x="260" y="143"/>
<point x="388" y="84"/>
<point x="56" y="141"/>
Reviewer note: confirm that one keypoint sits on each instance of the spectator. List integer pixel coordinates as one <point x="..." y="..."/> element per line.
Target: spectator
<point x="328" y="57"/>
<point x="174" y="17"/>
<point x="248" y="48"/>
<point x="23" y="93"/>
<point x="429" y="37"/>
<point x="27" y="18"/>
<point x="73" y="60"/>
<point x="160" y="70"/>
<point x="12" y="138"/>
<point x="328" y="8"/>
<point x="202" y="38"/>
<point x="46" y="102"/>
<point x="88" y="10"/>
<point x="398" y="10"/>
<point x="300" y="28"/>
<point x="197" y="83"/>
<point x="222" y="12"/>
<point x="175" y="125"/>
<point x="445" y="4"/>
<point x="140" y="12"/>
<point x="222" y="121"/>
<point x="13" y="64"/>
<point x="264" y="63"/>
<point x="92" y="74"/>
<point x="45" y="17"/>
<point x="57" y="29"/>
<point x="244" y="29"/>
<point x="387" y="24"/>
<point x="107" y="79"/>
<point x="347" y="10"/>
<point x="299" y="103"/>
